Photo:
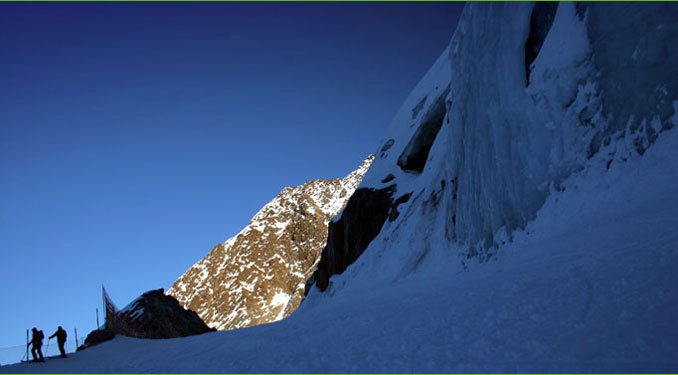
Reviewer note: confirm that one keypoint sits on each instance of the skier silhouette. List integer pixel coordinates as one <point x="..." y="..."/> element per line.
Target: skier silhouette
<point x="61" y="340"/>
<point x="36" y="341"/>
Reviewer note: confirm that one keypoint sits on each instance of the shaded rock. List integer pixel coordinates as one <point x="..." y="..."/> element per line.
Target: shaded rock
<point x="361" y="221"/>
<point x="96" y="337"/>
<point x="158" y="316"/>
<point x="390" y="177"/>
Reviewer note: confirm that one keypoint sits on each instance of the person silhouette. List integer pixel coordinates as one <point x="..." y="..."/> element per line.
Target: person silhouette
<point x="36" y="342"/>
<point x="61" y="336"/>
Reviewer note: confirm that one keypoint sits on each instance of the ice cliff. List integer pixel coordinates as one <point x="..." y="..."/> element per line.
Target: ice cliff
<point x="524" y="96"/>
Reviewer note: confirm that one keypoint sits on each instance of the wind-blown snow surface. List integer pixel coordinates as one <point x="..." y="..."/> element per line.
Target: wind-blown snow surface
<point x="589" y="286"/>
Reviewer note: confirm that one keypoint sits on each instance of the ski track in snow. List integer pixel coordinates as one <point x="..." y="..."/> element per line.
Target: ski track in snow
<point x="595" y="296"/>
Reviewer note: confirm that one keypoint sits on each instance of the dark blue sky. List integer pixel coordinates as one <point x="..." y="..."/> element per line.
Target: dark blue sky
<point x="133" y="137"/>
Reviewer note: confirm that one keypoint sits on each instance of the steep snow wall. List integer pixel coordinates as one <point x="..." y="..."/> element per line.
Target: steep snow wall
<point x="523" y="97"/>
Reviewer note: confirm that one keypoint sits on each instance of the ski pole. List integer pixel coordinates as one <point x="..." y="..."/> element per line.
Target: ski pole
<point x="47" y="349"/>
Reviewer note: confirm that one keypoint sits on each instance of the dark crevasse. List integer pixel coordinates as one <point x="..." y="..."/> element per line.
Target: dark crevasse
<point x="541" y="20"/>
<point x="413" y="158"/>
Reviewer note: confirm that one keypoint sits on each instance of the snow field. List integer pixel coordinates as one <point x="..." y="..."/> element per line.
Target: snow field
<point x="597" y="295"/>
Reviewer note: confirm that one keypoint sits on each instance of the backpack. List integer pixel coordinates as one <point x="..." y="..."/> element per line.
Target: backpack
<point x="41" y="335"/>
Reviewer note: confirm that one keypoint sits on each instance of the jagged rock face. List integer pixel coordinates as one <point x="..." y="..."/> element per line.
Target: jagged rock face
<point x="259" y="275"/>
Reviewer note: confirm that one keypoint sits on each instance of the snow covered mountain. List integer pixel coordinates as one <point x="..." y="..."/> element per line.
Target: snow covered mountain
<point x="258" y="276"/>
<point x="525" y="96"/>
<point x="520" y="216"/>
<point x="592" y="295"/>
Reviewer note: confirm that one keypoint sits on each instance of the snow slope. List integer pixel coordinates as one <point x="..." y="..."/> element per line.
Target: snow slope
<point x="589" y="286"/>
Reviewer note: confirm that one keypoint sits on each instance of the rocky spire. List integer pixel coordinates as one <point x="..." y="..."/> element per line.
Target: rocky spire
<point x="258" y="276"/>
